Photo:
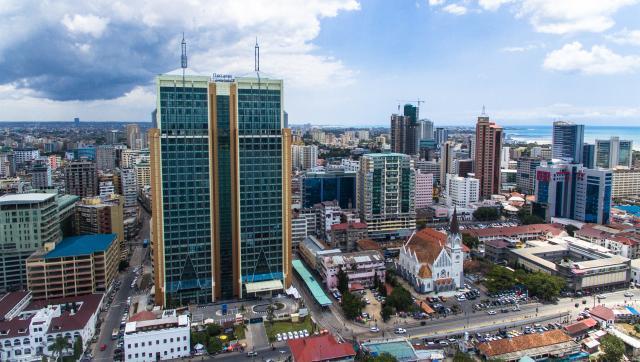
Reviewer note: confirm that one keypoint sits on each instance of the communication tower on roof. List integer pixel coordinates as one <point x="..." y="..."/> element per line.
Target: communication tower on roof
<point x="183" y="57"/>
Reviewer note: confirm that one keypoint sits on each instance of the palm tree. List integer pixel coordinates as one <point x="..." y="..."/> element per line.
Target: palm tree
<point x="58" y="345"/>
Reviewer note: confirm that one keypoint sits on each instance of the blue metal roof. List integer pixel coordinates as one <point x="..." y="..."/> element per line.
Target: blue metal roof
<point x="81" y="245"/>
<point x="632" y="310"/>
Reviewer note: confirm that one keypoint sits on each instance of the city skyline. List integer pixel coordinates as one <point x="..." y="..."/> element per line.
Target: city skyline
<point x="541" y="61"/>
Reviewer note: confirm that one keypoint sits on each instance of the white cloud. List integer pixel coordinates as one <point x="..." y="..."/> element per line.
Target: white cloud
<point x="573" y="57"/>
<point x="85" y="24"/>
<point x="436" y="2"/>
<point x="523" y="48"/>
<point x="571" y="16"/>
<point x="626" y="37"/>
<point x="455" y="9"/>
<point x="492" y="5"/>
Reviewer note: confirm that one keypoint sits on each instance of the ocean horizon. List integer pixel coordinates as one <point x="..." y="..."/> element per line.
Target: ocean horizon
<point x="542" y="134"/>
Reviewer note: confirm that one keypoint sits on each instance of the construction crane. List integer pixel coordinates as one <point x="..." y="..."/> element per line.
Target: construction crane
<point x="400" y="101"/>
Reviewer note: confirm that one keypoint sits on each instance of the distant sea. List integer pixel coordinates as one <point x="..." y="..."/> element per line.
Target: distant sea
<point x="542" y="134"/>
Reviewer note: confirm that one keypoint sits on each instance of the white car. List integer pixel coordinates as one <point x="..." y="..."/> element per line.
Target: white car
<point x="290" y="335"/>
<point x="601" y="296"/>
<point x="295" y="335"/>
<point x="306" y="333"/>
<point x="491" y="312"/>
<point x="629" y="294"/>
<point x="279" y="337"/>
<point x="374" y="329"/>
<point x="284" y="337"/>
<point x="400" y="330"/>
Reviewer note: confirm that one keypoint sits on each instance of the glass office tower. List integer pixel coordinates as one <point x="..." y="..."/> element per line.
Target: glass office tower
<point x="221" y="190"/>
<point x="568" y="139"/>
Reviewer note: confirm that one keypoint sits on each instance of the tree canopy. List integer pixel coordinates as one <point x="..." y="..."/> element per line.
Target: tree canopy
<point x="486" y="214"/>
<point x="343" y="281"/>
<point x="351" y="305"/>
<point x="400" y="299"/>
<point x="613" y="348"/>
<point x="541" y="285"/>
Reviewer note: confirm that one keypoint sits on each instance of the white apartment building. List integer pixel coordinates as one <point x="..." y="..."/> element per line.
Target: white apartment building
<point x="143" y="174"/>
<point x="424" y="189"/>
<point x="129" y="181"/>
<point x="106" y="188"/>
<point x="626" y="182"/>
<point x="304" y="157"/>
<point x="22" y="155"/>
<point x="461" y="191"/>
<point x="164" y="338"/>
<point x="298" y="230"/>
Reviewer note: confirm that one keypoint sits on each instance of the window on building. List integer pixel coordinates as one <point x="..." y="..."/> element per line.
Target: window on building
<point x="171" y="340"/>
<point x="142" y="344"/>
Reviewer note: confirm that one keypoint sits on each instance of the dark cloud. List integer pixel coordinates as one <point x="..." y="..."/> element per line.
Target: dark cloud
<point x="52" y="63"/>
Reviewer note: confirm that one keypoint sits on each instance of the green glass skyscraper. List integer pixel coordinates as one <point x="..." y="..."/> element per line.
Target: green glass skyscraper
<point x="221" y="195"/>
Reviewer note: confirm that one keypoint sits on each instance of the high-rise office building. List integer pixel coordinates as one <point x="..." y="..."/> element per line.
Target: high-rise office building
<point x="462" y="167"/>
<point x="441" y="135"/>
<point x="133" y="134"/>
<point x="573" y="191"/>
<point x="432" y="167"/>
<point x="105" y="157"/>
<point x="567" y="141"/>
<point x="29" y="220"/>
<point x="220" y="165"/>
<point x="40" y="172"/>
<point x="425" y="130"/>
<point x="332" y="185"/>
<point x="589" y="155"/>
<point x="613" y="153"/>
<point x="488" y="150"/>
<point x="386" y="194"/>
<point x="446" y="161"/>
<point x="526" y="175"/>
<point x="404" y="131"/>
<point x="81" y="178"/>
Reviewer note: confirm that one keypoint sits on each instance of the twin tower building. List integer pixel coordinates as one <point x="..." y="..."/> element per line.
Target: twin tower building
<point x="220" y="163"/>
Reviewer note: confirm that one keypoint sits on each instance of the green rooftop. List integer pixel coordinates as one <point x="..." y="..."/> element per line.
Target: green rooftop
<point x="312" y="284"/>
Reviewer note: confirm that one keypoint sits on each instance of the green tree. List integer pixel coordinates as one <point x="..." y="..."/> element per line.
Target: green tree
<point x="400" y="299"/>
<point x="570" y="229"/>
<point x="199" y="338"/>
<point x="343" y="281"/>
<point x="382" y="289"/>
<point x="382" y="357"/>
<point x="214" y="330"/>
<point x="613" y="348"/>
<point x="351" y="305"/>
<point x="470" y="241"/>
<point x="486" y="214"/>
<point x="386" y="312"/>
<point x="499" y="278"/>
<point x="78" y="347"/>
<point x="462" y="357"/>
<point x="542" y="285"/>
<point x="527" y="218"/>
<point x="214" y="345"/>
<point x="59" y="344"/>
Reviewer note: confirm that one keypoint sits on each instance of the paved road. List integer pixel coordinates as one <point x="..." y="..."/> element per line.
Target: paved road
<point x="279" y="354"/>
<point x="111" y="319"/>
<point x="257" y="336"/>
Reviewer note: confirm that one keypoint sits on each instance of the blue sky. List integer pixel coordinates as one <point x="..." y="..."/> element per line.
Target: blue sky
<point x="344" y="62"/>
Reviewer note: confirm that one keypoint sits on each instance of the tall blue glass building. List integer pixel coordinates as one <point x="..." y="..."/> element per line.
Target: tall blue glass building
<point x="338" y="185"/>
<point x="221" y="189"/>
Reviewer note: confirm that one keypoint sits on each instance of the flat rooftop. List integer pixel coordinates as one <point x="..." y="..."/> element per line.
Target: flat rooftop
<point x="399" y="348"/>
<point x="25" y="198"/>
<point x="81" y="245"/>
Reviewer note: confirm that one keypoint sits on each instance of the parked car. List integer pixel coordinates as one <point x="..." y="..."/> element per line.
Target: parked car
<point x="400" y="330"/>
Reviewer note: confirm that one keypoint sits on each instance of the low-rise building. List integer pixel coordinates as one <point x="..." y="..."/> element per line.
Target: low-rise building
<point x="362" y="268"/>
<point x="164" y="338"/>
<point x="584" y="266"/>
<point x="344" y="235"/>
<point x="617" y="239"/>
<point x="33" y="326"/>
<point x="320" y="348"/>
<point x="635" y="271"/>
<point x="625" y="182"/>
<point x="101" y="215"/>
<point x="77" y="265"/>
<point x="522" y="233"/>
<point x="554" y="344"/>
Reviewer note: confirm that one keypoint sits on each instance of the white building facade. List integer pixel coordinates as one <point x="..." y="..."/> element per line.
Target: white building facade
<point x="461" y="191"/>
<point x="158" y="339"/>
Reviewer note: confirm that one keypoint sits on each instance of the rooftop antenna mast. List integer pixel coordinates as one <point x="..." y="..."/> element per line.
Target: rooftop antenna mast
<point x="183" y="57"/>
<point x="256" y="56"/>
<point x="483" y="111"/>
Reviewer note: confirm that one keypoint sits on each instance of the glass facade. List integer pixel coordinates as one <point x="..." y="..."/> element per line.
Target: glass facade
<point x="185" y="190"/>
<point x="329" y="186"/>
<point x="261" y="154"/>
